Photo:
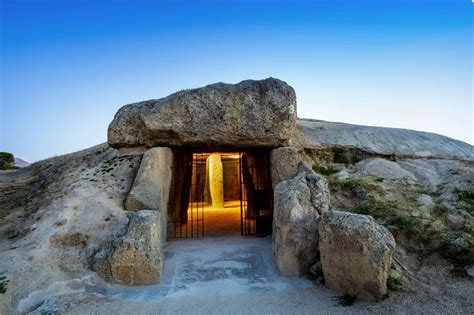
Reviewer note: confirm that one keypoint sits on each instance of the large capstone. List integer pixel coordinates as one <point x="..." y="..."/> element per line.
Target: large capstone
<point x="136" y="258"/>
<point x="356" y="254"/>
<point x="298" y="204"/>
<point x="250" y="113"/>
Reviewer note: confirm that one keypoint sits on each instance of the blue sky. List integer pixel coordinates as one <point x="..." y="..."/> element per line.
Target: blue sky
<point x="67" y="66"/>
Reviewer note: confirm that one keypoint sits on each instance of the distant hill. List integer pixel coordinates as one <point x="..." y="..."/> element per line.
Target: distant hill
<point x="21" y="163"/>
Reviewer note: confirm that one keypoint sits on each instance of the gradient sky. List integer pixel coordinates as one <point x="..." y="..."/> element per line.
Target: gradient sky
<point x="67" y="66"/>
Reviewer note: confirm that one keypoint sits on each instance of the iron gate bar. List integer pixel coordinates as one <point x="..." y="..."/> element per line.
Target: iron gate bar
<point x="260" y="171"/>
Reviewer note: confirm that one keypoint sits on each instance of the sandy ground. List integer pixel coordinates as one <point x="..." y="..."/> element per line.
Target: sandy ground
<point x="236" y="275"/>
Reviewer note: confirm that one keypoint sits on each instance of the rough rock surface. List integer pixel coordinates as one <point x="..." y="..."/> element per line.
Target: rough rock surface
<point x="136" y="258"/>
<point x="284" y="164"/>
<point x="314" y="134"/>
<point x="250" y="113"/>
<point x="152" y="184"/>
<point x="378" y="167"/>
<point x="298" y="204"/>
<point x="356" y="254"/>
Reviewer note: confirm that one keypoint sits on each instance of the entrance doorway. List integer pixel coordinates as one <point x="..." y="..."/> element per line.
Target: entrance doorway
<point x="219" y="192"/>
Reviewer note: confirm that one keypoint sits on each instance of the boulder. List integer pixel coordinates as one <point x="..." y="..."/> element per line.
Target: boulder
<point x="298" y="204"/>
<point x="356" y="254"/>
<point x="135" y="258"/>
<point x="152" y="184"/>
<point x="284" y="164"/>
<point x="250" y="113"/>
<point x="383" y="168"/>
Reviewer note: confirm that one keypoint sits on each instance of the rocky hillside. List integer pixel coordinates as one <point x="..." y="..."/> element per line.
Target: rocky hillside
<point x="387" y="142"/>
<point x="54" y="215"/>
<point x="57" y="213"/>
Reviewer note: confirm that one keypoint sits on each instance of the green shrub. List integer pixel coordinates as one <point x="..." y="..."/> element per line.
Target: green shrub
<point x="394" y="284"/>
<point x="3" y="284"/>
<point x="388" y="212"/>
<point x="465" y="199"/>
<point x="368" y="183"/>
<point x="7" y="161"/>
<point x="325" y="170"/>
<point x="466" y="195"/>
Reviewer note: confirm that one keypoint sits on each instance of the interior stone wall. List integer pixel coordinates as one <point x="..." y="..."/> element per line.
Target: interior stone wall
<point x="231" y="179"/>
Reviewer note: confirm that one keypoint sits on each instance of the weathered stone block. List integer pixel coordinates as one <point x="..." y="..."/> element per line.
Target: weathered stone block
<point x="298" y="204"/>
<point x="250" y="113"/>
<point x="284" y="164"/>
<point x="356" y="254"/>
<point x="152" y="184"/>
<point x="136" y="258"/>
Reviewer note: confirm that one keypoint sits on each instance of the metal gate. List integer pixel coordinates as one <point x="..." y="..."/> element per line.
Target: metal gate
<point x="188" y="201"/>
<point x="256" y="202"/>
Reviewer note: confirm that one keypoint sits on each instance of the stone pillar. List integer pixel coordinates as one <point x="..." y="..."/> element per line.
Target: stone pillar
<point x="298" y="204"/>
<point x="216" y="185"/>
<point x="151" y="188"/>
<point x="284" y="164"/>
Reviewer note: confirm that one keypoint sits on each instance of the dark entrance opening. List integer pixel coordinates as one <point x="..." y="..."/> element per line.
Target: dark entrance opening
<point x="218" y="192"/>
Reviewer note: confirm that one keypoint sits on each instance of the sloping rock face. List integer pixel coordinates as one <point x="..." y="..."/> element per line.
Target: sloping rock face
<point x="250" y="113"/>
<point x="314" y="134"/>
<point x="136" y="258"/>
<point x="298" y="204"/>
<point x="356" y="254"/>
<point x="152" y="184"/>
<point x="382" y="168"/>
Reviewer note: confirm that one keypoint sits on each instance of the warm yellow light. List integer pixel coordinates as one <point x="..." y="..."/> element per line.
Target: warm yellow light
<point x="216" y="180"/>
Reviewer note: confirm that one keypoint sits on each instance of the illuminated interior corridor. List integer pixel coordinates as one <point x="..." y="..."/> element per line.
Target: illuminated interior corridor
<point x="220" y="221"/>
<point x="221" y="193"/>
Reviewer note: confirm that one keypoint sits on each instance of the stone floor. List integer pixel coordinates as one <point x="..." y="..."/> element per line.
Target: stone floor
<point x="215" y="266"/>
<point x="236" y="275"/>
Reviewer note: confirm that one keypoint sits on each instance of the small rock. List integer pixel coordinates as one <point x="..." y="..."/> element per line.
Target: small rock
<point x="455" y="221"/>
<point x="342" y="175"/>
<point x="304" y="169"/>
<point x="361" y="193"/>
<point x="425" y="202"/>
<point x="460" y="243"/>
<point x="470" y="271"/>
<point x="61" y="222"/>
<point x="316" y="269"/>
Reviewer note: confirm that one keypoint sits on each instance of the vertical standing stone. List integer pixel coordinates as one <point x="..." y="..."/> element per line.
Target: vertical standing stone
<point x="298" y="204"/>
<point x="216" y="181"/>
<point x="151" y="188"/>
<point x="284" y="164"/>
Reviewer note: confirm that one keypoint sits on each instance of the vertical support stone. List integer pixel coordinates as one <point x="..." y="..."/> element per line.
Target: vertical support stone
<point x="298" y="204"/>
<point x="216" y="181"/>
<point x="284" y="164"/>
<point x="151" y="188"/>
<point x="207" y="193"/>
